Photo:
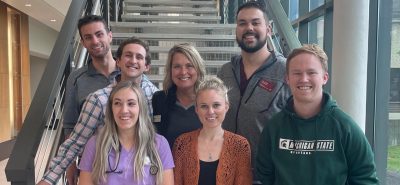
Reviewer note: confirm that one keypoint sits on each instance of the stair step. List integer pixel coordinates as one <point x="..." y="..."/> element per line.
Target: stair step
<point x="165" y="9"/>
<point x="208" y="63"/>
<point x="169" y="2"/>
<point x="155" y="78"/>
<point x="172" y="25"/>
<point x="176" y="21"/>
<point x="130" y="17"/>
<point x="160" y="78"/>
<point x="160" y="49"/>
<point x="157" y="36"/>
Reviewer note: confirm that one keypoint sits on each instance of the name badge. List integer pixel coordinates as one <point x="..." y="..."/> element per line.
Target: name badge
<point x="267" y="85"/>
<point x="157" y="118"/>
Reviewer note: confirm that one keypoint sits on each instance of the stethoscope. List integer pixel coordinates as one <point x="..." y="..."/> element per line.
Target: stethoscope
<point x="114" y="170"/>
<point x="153" y="168"/>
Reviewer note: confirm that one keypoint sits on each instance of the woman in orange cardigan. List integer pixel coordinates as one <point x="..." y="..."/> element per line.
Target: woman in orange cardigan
<point x="212" y="155"/>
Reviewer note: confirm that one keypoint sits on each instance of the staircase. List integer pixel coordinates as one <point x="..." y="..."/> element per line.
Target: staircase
<point x="164" y="23"/>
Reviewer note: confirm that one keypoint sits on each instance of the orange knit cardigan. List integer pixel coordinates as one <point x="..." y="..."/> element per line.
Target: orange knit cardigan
<point x="234" y="167"/>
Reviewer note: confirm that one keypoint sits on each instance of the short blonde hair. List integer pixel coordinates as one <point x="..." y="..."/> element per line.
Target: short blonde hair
<point x="213" y="83"/>
<point x="194" y="57"/>
<point x="313" y="49"/>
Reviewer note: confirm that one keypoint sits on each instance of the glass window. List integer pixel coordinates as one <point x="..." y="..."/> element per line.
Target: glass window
<point x="316" y="3"/>
<point x="316" y="31"/>
<point x="393" y="163"/>
<point x="293" y="9"/>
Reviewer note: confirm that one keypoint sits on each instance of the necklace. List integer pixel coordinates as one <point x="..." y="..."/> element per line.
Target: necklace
<point x="211" y="146"/>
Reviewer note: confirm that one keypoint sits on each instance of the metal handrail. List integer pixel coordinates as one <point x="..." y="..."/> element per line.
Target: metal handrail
<point x="287" y="37"/>
<point x="20" y="168"/>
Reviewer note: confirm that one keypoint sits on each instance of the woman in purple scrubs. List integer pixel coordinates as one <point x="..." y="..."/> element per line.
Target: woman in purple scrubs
<point x="127" y="150"/>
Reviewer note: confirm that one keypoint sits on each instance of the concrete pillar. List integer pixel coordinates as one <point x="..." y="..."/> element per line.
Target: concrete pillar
<point x="349" y="57"/>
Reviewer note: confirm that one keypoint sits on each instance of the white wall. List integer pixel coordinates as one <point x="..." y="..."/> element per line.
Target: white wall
<point x="41" y="43"/>
<point x="37" y="68"/>
<point x="41" y="39"/>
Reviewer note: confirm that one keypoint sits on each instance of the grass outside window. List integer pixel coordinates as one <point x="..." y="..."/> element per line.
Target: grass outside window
<point x="394" y="158"/>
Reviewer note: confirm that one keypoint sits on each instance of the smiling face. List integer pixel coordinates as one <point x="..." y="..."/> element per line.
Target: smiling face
<point x="183" y="73"/>
<point x="132" y="62"/>
<point x="251" y="30"/>
<point x="306" y="77"/>
<point x="211" y="107"/>
<point x="125" y="108"/>
<point x="96" y="39"/>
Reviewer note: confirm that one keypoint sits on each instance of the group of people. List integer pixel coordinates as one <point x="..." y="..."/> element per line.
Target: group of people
<point x="263" y="120"/>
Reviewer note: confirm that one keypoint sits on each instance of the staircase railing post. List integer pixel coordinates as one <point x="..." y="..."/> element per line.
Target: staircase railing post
<point x="106" y="10"/>
<point x="231" y="11"/>
<point x="115" y="5"/>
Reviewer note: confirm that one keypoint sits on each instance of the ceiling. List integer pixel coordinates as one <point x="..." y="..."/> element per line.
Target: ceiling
<point x="43" y="10"/>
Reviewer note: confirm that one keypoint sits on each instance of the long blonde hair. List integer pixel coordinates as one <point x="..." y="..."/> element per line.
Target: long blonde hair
<point x="144" y="139"/>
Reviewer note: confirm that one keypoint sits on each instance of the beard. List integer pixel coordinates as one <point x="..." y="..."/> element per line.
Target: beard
<point x="251" y="49"/>
<point x="100" y="54"/>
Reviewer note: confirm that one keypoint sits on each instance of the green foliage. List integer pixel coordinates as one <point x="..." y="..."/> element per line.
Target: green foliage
<point x="394" y="158"/>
